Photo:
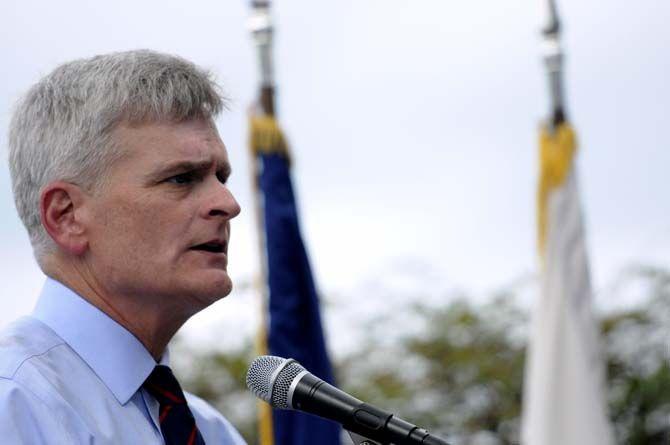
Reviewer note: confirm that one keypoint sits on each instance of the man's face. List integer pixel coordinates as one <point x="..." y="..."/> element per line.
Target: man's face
<point x="160" y="223"/>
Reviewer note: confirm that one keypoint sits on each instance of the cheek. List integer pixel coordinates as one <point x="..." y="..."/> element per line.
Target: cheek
<point x="143" y="230"/>
<point x="158" y="232"/>
<point x="164" y="231"/>
<point x="135" y="228"/>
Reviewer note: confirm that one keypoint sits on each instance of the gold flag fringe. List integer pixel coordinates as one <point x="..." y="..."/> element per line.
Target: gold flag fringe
<point x="557" y="151"/>
<point x="265" y="136"/>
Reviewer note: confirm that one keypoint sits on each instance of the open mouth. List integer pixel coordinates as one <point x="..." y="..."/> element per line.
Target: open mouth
<point x="214" y="247"/>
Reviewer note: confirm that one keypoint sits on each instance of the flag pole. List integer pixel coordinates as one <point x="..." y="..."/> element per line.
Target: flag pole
<point x="553" y="60"/>
<point x="260" y="25"/>
<point x="262" y="30"/>
<point x="563" y="397"/>
<point x="290" y="298"/>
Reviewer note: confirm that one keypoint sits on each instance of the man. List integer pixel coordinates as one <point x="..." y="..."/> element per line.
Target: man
<point x="119" y="176"/>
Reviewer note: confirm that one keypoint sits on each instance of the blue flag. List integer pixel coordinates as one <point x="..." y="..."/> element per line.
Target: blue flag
<point x="295" y="329"/>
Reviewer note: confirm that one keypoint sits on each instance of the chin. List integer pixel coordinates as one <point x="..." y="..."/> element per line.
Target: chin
<point x="214" y="288"/>
<point x="200" y="289"/>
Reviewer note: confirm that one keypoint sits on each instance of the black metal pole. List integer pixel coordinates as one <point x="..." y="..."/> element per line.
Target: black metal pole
<point x="262" y="30"/>
<point x="553" y="59"/>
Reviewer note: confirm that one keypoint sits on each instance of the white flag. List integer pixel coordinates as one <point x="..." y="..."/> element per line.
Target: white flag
<point x="564" y="400"/>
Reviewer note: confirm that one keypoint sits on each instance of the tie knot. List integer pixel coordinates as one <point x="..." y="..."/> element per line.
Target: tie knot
<point x="163" y="385"/>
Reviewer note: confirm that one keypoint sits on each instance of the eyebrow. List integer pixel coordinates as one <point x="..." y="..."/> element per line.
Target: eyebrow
<point x="186" y="166"/>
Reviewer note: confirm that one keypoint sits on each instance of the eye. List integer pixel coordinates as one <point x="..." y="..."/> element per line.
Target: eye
<point x="182" y="178"/>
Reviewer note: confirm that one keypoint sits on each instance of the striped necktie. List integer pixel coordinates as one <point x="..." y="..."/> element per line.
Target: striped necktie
<point x="176" y="420"/>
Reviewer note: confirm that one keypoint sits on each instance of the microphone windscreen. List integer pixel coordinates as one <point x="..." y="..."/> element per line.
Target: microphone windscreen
<point x="269" y="378"/>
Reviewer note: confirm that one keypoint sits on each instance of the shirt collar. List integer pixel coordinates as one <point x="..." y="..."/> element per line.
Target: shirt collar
<point x="115" y="355"/>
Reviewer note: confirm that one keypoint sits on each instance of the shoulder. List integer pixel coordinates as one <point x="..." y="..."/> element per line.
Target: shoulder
<point x="214" y="427"/>
<point x="22" y="341"/>
<point x="27" y="419"/>
<point x="27" y="411"/>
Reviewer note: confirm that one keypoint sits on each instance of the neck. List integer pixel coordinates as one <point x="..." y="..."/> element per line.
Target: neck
<point x="152" y="324"/>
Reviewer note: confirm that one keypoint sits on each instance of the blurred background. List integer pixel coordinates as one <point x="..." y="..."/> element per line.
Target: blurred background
<point x="413" y="132"/>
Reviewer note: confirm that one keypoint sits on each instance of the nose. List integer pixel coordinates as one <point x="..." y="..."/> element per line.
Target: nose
<point x="221" y="203"/>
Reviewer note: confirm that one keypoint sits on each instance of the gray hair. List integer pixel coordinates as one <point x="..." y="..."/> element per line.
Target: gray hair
<point x="62" y="128"/>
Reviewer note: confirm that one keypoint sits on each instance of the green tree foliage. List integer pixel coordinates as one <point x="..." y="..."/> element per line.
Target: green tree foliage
<point x="460" y="373"/>
<point x="638" y="361"/>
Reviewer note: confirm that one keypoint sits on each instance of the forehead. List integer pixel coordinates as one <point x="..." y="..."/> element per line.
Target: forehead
<point x="160" y="142"/>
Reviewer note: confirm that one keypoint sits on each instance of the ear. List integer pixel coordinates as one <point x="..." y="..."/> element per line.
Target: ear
<point x="61" y="210"/>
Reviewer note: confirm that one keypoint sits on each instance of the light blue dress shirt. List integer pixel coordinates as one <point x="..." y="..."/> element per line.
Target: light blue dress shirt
<point x="69" y="374"/>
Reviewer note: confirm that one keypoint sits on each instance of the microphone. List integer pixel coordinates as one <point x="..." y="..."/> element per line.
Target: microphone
<point x="285" y="384"/>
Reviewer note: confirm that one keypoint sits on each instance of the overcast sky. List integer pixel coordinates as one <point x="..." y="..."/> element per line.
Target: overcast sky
<point x="413" y="128"/>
